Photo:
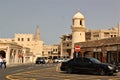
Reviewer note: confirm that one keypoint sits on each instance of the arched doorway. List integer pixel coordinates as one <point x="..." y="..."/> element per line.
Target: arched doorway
<point x="3" y="54"/>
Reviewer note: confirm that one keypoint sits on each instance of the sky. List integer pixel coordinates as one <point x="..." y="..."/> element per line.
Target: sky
<point x="54" y="17"/>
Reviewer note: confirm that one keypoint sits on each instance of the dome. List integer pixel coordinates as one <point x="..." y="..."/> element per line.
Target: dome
<point x="78" y="15"/>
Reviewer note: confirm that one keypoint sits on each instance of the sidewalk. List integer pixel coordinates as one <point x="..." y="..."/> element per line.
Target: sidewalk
<point x="30" y="64"/>
<point x="12" y="65"/>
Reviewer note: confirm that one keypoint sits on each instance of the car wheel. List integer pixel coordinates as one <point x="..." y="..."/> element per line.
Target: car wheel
<point x="101" y="72"/>
<point x="69" y="70"/>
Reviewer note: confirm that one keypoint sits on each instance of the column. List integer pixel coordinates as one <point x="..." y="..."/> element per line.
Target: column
<point x="8" y="55"/>
<point x="16" y="56"/>
<point x="103" y="54"/>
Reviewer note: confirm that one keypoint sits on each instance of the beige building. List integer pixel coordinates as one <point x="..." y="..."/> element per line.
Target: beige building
<point x="51" y="51"/>
<point x="30" y="41"/>
<point x="22" y="48"/>
<point x="27" y="55"/>
<point x="12" y="51"/>
<point x="66" y="45"/>
<point x="25" y="48"/>
<point x="101" y="34"/>
<point x="81" y="34"/>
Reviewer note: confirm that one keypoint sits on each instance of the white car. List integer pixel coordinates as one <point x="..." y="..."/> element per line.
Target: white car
<point x="58" y="60"/>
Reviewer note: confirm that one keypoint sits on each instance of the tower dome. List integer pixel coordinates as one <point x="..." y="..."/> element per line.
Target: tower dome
<point x="78" y="15"/>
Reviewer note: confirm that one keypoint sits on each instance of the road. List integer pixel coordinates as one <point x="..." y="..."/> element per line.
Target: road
<point x="21" y="68"/>
<point x="47" y="72"/>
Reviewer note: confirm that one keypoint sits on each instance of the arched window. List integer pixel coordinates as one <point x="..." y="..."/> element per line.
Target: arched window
<point x="80" y="22"/>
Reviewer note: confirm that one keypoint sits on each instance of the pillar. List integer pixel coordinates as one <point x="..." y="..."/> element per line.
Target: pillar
<point x="8" y="55"/>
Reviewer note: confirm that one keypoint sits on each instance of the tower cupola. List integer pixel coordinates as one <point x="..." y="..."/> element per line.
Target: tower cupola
<point x="78" y="15"/>
<point x="78" y="20"/>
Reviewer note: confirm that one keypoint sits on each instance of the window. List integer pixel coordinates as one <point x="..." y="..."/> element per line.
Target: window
<point x="18" y="39"/>
<point x="114" y="35"/>
<point x="78" y="60"/>
<point x="86" y="60"/>
<point x="80" y="22"/>
<point x="95" y="60"/>
<point x="28" y="39"/>
<point x="53" y="49"/>
<point x="106" y="34"/>
<point x="96" y="35"/>
<point x="49" y="52"/>
<point x="22" y="39"/>
<point x="56" y="50"/>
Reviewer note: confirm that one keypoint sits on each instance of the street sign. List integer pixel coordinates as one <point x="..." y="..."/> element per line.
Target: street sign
<point x="77" y="48"/>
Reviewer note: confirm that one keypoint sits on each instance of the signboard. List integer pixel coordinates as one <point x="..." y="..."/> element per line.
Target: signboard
<point x="77" y="48"/>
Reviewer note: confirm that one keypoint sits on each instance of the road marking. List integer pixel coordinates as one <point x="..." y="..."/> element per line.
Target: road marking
<point x="52" y="74"/>
<point x="10" y="77"/>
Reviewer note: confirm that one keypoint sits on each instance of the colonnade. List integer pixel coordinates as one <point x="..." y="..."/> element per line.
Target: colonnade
<point x="12" y="55"/>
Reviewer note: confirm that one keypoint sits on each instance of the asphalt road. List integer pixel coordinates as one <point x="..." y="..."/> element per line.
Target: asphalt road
<point x="21" y="68"/>
<point x="47" y="72"/>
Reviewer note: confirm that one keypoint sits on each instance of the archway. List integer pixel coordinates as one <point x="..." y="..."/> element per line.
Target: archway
<point x="3" y="54"/>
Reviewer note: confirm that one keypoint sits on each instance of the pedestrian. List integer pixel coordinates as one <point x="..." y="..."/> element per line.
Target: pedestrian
<point x="1" y="62"/>
<point x="76" y="54"/>
<point x="4" y="62"/>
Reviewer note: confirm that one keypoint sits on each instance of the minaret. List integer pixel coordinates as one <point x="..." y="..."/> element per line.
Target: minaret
<point x="78" y="30"/>
<point x="37" y="35"/>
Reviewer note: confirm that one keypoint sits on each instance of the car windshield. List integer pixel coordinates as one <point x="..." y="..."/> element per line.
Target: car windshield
<point x="95" y="60"/>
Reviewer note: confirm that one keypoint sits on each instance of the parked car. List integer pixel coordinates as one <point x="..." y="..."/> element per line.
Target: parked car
<point x="40" y="60"/>
<point x="89" y="65"/>
<point x="58" y="60"/>
<point x="66" y="59"/>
